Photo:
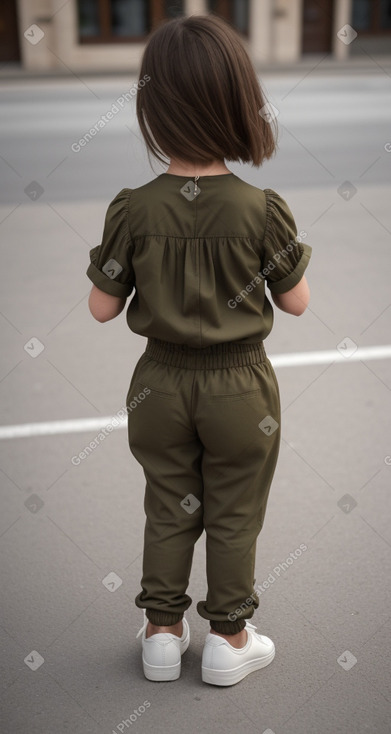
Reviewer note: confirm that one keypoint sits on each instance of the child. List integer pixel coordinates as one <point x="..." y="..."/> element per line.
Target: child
<point x="198" y="243"/>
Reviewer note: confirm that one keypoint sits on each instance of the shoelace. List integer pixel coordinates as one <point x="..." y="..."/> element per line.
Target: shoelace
<point x="248" y="624"/>
<point x="144" y="627"/>
<point x="253" y="627"/>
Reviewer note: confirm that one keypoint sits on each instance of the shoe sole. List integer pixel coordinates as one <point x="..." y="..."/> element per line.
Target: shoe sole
<point x="158" y="672"/>
<point x="230" y="677"/>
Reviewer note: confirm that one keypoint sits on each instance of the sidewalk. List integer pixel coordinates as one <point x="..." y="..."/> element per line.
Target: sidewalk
<point x="318" y="63"/>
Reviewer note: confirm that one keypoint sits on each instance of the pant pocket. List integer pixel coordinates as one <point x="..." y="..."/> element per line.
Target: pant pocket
<point x="134" y="377"/>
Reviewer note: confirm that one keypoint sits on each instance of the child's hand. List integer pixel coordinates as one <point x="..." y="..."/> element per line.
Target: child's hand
<point x="103" y="306"/>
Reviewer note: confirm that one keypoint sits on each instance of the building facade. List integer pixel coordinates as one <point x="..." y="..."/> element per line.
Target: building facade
<point x="109" y="35"/>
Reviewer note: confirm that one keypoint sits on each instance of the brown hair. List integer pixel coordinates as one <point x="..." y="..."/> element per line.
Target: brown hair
<point x="201" y="98"/>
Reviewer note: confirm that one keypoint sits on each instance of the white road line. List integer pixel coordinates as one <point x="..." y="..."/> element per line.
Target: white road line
<point x="296" y="359"/>
<point x="77" y="425"/>
<point x="332" y="355"/>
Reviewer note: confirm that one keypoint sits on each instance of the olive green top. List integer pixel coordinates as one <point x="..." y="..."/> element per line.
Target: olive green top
<point x="198" y="259"/>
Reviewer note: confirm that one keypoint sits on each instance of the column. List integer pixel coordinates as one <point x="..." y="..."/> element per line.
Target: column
<point x="196" y="7"/>
<point x="287" y="24"/>
<point x="260" y="23"/>
<point x="342" y="16"/>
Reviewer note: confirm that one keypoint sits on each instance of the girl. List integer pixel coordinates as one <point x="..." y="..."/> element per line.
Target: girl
<point x="197" y="244"/>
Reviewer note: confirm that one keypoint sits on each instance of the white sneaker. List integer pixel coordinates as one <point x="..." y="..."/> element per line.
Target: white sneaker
<point x="162" y="652"/>
<point x="224" y="665"/>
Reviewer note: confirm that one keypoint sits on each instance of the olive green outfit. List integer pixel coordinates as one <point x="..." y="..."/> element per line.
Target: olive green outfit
<point x="207" y="429"/>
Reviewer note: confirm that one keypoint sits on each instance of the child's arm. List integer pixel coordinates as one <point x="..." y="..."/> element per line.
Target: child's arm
<point x="294" y="301"/>
<point x="103" y="306"/>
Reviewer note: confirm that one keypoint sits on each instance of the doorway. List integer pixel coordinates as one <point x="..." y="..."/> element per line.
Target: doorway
<point x="9" y="36"/>
<point x="317" y="26"/>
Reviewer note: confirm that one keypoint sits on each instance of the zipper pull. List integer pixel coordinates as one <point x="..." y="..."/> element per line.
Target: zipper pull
<point x="195" y="185"/>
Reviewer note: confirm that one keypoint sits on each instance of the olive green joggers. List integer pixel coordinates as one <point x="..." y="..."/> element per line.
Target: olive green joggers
<point x="205" y="426"/>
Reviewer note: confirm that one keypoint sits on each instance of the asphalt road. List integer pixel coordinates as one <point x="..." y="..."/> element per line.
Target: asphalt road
<point x="70" y="661"/>
<point x="342" y="121"/>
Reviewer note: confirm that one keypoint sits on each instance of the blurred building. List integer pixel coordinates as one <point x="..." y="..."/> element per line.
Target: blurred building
<point x="109" y="35"/>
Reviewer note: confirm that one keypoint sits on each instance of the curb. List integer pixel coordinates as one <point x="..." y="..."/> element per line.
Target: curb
<point x="311" y="64"/>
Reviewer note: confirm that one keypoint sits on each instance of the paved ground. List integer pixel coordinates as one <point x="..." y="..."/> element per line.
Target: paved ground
<point x="70" y="661"/>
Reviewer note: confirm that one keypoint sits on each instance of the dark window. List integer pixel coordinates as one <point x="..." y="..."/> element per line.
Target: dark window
<point x="236" y="12"/>
<point x="317" y="26"/>
<point x="371" y="17"/>
<point x="88" y="18"/>
<point x="173" y="9"/>
<point x="129" y="18"/>
<point x="121" y="21"/>
<point x="361" y="18"/>
<point x="9" y="31"/>
<point x="385" y="14"/>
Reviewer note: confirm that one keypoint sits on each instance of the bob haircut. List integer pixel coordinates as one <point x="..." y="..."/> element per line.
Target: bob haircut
<point x="202" y="100"/>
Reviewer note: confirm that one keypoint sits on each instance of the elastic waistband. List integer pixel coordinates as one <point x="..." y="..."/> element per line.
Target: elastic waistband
<point x="215" y="356"/>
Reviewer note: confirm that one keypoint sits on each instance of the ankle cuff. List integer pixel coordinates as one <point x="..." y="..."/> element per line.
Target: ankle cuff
<point x="163" y="619"/>
<point x="228" y="628"/>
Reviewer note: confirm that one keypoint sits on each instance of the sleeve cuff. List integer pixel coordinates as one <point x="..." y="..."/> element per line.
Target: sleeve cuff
<point x="104" y="283"/>
<point x="286" y="284"/>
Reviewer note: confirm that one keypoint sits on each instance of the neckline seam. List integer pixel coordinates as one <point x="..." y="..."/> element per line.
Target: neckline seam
<point x="191" y="176"/>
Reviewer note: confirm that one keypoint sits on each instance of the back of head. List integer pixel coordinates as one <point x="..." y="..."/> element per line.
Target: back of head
<point x="201" y="98"/>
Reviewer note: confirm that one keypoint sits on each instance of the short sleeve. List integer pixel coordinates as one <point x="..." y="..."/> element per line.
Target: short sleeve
<point x="283" y="257"/>
<point x="110" y="267"/>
